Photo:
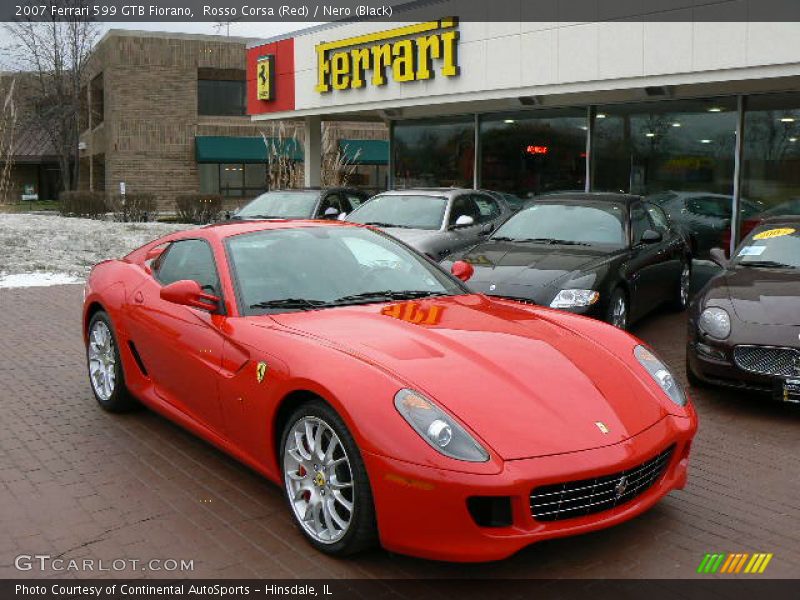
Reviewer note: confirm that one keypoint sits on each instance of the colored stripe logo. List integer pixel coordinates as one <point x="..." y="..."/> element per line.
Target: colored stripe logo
<point x="721" y="562"/>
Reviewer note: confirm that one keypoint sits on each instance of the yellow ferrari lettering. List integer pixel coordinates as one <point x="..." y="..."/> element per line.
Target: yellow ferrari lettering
<point x="403" y="54"/>
<point x="773" y="233"/>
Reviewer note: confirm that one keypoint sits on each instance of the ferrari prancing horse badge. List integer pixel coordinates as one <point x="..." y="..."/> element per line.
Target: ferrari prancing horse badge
<point x="261" y="371"/>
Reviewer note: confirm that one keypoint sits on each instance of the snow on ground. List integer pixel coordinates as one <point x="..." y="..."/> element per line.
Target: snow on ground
<point x="51" y="250"/>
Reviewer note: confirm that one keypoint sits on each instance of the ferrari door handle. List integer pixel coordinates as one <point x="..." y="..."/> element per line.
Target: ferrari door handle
<point x="138" y="297"/>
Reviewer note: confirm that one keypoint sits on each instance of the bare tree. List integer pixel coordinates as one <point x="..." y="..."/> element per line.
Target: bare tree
<point x="337" y="167"/>
<point x="8" y="123"/>
<point x="283" y="171"/>
<point x="55" y="53"/>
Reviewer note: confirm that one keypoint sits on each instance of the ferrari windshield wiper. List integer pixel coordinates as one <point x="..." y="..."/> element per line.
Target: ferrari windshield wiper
<point x="766" y="264"/>
<point x="551" y="241"/>
<point x="384" y="295"/>
<point x="302" y="303"/>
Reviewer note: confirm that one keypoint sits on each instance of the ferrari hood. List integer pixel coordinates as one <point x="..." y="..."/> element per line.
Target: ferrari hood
<point x="524" y="384"/>
<point x="505" y="268"/>
<point x="765" y="296"/>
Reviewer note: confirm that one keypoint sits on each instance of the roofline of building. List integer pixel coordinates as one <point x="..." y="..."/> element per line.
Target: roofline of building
<point x="165" y="35"/>
<point x="399" y="8"/>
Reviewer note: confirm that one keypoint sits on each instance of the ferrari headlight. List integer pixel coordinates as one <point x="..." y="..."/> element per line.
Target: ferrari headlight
<point x="438" y="428"/>
<point x="716" y="322"/>
<point x="660" y="374"/>
<point x="574" y="298"/>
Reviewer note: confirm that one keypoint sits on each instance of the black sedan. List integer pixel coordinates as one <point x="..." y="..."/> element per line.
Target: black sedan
<point x="306" y="203"/>
<point x="610" y="256"/>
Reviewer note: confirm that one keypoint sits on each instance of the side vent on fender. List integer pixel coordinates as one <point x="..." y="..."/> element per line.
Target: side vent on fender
<point x="137" y="358"/>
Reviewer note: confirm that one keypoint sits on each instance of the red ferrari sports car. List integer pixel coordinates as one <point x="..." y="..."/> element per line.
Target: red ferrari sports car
<point x="390" y="403"/>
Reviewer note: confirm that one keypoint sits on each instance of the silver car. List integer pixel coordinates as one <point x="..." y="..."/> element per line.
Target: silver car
<point x="435" y="221"/>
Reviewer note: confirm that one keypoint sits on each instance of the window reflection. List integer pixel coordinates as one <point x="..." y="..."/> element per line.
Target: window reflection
<point x="437" y="153"/>
<point x="535" y="152"/>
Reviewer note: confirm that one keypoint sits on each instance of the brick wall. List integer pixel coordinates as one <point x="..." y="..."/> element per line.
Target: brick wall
<point x="151" y="121"/>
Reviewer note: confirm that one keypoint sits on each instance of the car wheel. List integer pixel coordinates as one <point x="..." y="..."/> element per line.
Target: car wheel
<point x="618" y="309"/>
<point x="326" y="483"/>
<point x="684" y="287"/>
<point x="105" y="367"/>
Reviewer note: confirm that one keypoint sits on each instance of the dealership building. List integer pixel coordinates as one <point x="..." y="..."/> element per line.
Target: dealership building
<point x="165" y="114"/>
<point x="685" y="105"/>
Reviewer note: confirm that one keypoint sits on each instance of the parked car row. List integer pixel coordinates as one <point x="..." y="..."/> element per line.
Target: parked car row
<point x="614" y="257"/>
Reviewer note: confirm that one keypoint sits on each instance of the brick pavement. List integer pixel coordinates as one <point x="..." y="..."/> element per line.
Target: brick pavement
<point x="80" y="483"/>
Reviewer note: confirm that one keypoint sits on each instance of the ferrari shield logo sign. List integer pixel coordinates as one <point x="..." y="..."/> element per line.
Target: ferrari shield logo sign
<point x="265" y="77"/>
<point x="261" y="371"/>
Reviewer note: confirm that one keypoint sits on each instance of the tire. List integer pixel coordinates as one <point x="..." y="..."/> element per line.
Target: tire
<point x="104" y="366"/>
<point x="682" y="294"/>
<point x="618" y="301"/>
<point x="311" y="484"/>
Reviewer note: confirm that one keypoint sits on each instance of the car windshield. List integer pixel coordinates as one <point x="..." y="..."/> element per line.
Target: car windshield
<point x="280" y="205"/>
<point x="773" y="247"/>
<point x="409" y="211"/>
<point x="318" y="267"/>
<point x="571" y="223"/>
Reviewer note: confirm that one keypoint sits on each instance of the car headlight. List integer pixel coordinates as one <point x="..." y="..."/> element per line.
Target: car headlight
<point x="716" y="322"/>
<point x="660" y="374"/>
<point x="574" y="298"/>
<point x="438" y="428"/>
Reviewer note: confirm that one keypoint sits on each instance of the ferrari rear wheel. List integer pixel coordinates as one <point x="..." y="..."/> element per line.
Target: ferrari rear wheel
<point x="325" y="481"/>
<point x="105" y="367"/>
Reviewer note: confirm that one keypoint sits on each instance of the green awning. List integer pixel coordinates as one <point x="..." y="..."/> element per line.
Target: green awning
<point x="225" y="149"/>
<point x="366" y="152"/>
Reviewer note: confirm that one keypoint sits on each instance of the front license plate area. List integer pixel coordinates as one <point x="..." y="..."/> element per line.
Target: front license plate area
<point x="790" y="390"/>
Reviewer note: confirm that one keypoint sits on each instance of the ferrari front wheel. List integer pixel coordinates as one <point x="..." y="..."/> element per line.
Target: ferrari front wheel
<point x="105" y="367"/>
<point x="326" y="483"/>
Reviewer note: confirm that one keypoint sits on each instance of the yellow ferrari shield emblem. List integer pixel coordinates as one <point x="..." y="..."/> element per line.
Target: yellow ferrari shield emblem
<point x="261" y="371"/>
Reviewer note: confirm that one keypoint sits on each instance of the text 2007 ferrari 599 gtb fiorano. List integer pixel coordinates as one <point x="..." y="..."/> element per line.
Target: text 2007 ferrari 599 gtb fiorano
<point x="391" y="404"/>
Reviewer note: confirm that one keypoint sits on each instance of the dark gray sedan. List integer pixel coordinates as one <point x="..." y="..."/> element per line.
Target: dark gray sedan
<point x="435" y="221"/>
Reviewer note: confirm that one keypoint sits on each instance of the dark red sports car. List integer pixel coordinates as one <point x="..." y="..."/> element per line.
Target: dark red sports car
<point x="391" y="403"/>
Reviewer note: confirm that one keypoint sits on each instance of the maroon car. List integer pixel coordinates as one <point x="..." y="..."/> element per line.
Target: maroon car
<point x="744" y="326"/>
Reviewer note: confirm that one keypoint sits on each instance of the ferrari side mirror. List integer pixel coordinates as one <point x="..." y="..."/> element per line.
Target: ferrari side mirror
<point x="331" y="213"/>
<point x="464" y="221"/>
<point x="462" y="270"/>
<point x="187" y="292"/>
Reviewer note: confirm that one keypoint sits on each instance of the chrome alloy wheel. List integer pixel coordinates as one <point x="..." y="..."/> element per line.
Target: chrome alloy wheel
<point x="102" y="361"/>
<point x="318" y="479"/>
<point x="686" y="282"/>
<point x="619" y="313"/>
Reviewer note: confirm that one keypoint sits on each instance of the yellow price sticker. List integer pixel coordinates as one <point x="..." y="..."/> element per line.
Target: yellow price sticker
<point x="773" y="233"/>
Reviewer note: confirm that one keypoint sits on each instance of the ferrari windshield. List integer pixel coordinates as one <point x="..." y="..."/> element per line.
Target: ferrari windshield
<point x="304" y="268"/>
<point x="281" y="205"/>
<point x="774" y="247"/>
<point x="410" y="211"/>
<point x="570" y="223"/>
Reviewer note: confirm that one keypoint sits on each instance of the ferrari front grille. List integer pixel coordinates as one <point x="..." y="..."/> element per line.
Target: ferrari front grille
<point x="588" y="496"/>
<point x="768" y="360"/>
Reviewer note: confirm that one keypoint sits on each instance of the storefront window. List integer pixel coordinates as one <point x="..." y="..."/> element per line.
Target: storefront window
<point x="771" y="162"/>
<point x="659" y="146"/>
<point x="680" y="155"/>
<point x="531" y="153"/>
<point x="233" y="180"/>
<point x="434" y="153"/>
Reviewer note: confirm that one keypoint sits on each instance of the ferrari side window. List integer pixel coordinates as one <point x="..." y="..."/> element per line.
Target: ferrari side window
<point x="188" y="259"/>
<point x="639" y="223"/>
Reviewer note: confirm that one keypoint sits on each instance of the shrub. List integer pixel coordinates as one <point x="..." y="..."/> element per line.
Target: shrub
<point x="198" y="208"/>
<point x="136" y="207"/>
<point x="83" y="203"/>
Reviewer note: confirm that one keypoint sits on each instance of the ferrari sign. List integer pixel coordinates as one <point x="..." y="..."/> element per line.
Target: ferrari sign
<point x="403" y="54"/>
<point x="265" y="77"/>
